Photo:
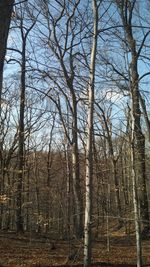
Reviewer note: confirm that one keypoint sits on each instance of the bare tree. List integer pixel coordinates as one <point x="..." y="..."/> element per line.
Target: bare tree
<point x="62" y="45"/>
<point x="126" y="12"/>
<point x="107" y="125"/>
<point x="89" y="144"/>
<point x="19" y="20"/>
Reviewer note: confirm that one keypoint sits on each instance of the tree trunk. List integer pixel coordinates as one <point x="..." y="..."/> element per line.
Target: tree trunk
<point x="135" y="195"/>
<point x="6" y="7"/>
<point x="24" y="35"/>
<point x="89" y="146"/>
<point x="78" y="218"/>
<point x="117" y="195"/>
<point x="19" y="217"/>
<point x="139" y="140"/>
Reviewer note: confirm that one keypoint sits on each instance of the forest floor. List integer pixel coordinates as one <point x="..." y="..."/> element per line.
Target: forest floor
<point x="38" y="251"/>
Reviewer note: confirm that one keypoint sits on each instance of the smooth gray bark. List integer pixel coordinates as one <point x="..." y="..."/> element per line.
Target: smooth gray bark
<point x="89" y="145"/>
<point x="135" y="195"/>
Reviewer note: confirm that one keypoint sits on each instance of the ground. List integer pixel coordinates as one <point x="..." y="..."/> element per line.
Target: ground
<point x="39" y="251"/>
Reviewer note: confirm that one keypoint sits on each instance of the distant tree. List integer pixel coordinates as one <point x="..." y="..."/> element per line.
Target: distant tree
<point x="62" y="44"/>
<point x="24" y="28"/>
<point x="107" y="130"/>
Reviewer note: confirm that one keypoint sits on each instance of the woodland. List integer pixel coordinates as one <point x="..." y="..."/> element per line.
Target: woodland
<point x="74" y="133"/>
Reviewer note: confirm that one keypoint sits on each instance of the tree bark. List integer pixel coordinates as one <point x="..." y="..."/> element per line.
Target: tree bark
<point x="6" y="7"/>
<point x="135" y="195"/>
<point x="139" y="136"/>
<point x="78" y="218"/>
<point x="19" y="218"/>
<point x="89" y="145"/>
<point x="24" y="35"/>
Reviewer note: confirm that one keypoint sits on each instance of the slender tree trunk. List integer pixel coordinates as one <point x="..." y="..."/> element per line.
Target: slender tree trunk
<point x="78" y="218"/>
<point x="36" y="175"/>
<point x="27" y="223"/>
<point x="135" y="196"/>
<point x="24" y="35"/>
<point x="49" y="175"/>
<point x="19" y="220"/>
<point x="117" y="195"/>
<point x="89" y="146"/>
<point x="27" y="181"/>
<point x="125" y="176"/>
<point x="68" y="190"/>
